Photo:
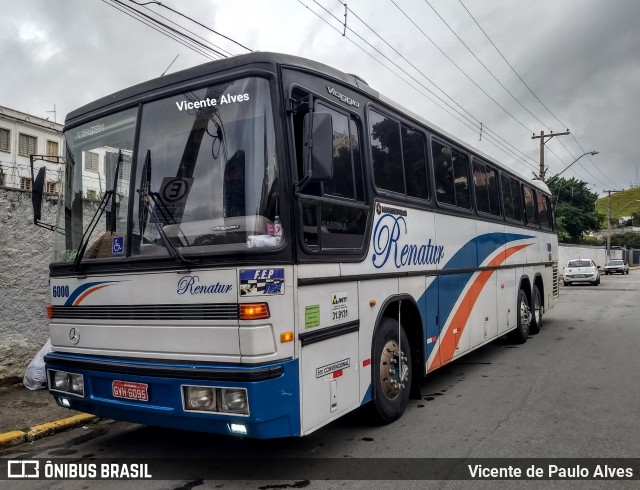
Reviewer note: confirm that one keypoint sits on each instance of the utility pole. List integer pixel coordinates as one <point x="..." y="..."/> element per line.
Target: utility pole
<point x="542" y="143"/>
<point x="609" y="224"/>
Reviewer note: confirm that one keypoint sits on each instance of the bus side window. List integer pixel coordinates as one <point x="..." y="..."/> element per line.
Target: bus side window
<point x="544" y="211"/>
<point x="415" y="163"/>
<point x="511" y="198"/>
<point x="485" y="182"/>
<point x="384" y="134"/>
<point x="452" y="176"/>
<point x="530" y="206"/>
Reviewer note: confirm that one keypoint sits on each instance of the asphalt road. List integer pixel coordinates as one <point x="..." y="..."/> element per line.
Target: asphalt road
<point x="571" y="391"/>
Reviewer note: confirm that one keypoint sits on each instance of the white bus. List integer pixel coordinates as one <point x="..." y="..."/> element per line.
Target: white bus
<point x="269" y="244"/>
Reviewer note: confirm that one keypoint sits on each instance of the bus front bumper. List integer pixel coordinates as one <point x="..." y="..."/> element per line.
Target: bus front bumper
<point x="160" y="394"/>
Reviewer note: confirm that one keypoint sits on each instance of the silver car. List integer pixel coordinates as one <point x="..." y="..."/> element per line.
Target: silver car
<point x="615" y="266"/>
<point x="581" y="270"/>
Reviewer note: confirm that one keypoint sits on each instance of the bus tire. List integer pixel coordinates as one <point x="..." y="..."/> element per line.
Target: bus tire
<point x="523" y="320"/>
<point x="391" y="387"/>
<point x="537" y="310"/>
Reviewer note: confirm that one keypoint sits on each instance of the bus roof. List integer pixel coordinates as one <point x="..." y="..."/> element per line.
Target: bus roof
<point x="135" y="92"/>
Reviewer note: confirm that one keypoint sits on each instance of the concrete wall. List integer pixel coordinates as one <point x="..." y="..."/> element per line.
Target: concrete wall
<point x="25" y="252"/>
<point x="596" y="253"/>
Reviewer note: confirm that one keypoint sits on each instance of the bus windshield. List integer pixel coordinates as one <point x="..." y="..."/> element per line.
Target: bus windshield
<point x="204" y="178"/>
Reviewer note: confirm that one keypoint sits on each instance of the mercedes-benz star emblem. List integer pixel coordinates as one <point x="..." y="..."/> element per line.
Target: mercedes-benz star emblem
<point x="74" y="336"/>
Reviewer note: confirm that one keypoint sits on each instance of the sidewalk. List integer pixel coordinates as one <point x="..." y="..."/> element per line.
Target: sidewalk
<point x="28" y="415"/>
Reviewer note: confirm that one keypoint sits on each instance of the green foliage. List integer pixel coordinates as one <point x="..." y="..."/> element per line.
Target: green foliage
<point x="623" y="203"/>
<point x="575" y="209"/>
<point x="629" y="240"/>
<point x="592" y="240"/>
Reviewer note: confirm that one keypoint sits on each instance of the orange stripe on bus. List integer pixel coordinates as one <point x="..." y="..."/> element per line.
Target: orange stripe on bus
<point x="450" y="341"/>
<point x="88" y="292"/>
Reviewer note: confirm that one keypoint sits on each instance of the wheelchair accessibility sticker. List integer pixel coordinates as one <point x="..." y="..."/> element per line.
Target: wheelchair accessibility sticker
<point x="117" y="245"/>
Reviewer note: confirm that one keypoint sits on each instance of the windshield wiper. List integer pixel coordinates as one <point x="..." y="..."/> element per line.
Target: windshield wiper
<point x="111" y="225"/>
<point x="146" y="208"/>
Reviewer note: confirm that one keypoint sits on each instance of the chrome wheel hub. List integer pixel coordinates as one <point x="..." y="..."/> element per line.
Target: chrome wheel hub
<point x="394" y="371"/>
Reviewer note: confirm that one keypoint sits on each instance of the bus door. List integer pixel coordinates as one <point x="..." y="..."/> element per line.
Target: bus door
<point x="331" y="219"/>
<point x="329" y="370"/>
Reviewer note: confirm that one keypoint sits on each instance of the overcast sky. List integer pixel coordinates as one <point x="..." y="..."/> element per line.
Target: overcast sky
<point x="581" y="58"/>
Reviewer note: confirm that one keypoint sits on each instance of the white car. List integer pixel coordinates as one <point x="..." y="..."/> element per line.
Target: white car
<point x="616" y="265"/>
<point x="581" y="270"/>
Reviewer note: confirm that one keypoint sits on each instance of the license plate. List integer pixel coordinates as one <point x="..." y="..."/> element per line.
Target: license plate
<point x="130" y="390"/>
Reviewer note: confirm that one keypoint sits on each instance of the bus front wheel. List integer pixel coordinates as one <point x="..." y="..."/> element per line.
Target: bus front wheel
<point x="391" y="373"/>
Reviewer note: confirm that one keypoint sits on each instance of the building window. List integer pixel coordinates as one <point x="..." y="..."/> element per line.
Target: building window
<point x="5" y="137"/>
<point x="51" y="187"/>
<point x="91" y="161"/>
<point x="27" y="145"/>
<point x="52" y="148"/>
<point x="25" y="183"/>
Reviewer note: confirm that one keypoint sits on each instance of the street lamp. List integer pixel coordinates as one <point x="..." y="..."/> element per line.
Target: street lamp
<point x="567" y="167"/>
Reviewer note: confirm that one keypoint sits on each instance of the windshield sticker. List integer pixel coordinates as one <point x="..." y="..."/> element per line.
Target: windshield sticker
<point x="312" y="316"/>
<point x="339" y="306"/>
<point x="258" y="282"/>
<point x="184" y="105"/>
<point x="117" y="245"/>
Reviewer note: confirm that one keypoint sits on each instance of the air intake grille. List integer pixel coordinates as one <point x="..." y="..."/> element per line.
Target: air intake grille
<point x="225" y="311"/>
<point x="556" y="285"/>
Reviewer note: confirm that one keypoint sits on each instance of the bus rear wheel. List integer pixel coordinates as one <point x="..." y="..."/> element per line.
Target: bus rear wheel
<point x="537" y="311"/>
<point x="391" y="373"/>
<point x="523" y="319"/>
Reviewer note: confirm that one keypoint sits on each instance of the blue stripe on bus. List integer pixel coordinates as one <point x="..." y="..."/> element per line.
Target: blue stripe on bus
<point x="81" y="289"/>
<point x="444" y="291"/>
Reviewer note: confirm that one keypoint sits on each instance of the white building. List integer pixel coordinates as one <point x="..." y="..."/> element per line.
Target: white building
<point x="22" y="135"/>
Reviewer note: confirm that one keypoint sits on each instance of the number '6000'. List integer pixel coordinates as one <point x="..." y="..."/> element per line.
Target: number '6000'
<point x="60" y="291"/>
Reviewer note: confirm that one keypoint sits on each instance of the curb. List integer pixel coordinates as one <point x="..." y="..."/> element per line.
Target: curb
<point x="15" y="437"/>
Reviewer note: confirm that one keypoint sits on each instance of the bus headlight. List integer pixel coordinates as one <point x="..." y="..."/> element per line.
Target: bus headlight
<point x="215" y="399"/>
<point x="67" y="382"/>
<point x="234" y="400"/>
<point x="200" y="398"/>
<point x="61" y="381"/>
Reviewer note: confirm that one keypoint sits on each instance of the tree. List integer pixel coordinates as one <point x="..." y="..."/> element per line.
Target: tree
<point x="575" y="209"/>
<point x="629" y="240"/>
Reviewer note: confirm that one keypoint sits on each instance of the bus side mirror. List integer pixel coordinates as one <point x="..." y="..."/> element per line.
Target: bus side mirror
<point x="320" y="143"/>
<point x="37" y="191"/>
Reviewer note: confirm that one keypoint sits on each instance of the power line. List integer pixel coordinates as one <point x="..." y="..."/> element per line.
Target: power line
<point x="466" y="74"/>
<point x="182" y="27"/>
<point x="510" y="66"/>
<point x="137" y="16"/>
<point x="484" y="66"/>
<point x="502" y="146"/>
<point x="531" y="91"/>
<point x="169" y="28"/>
<point x="194" y="21"/>
<point x="496" y="136"/>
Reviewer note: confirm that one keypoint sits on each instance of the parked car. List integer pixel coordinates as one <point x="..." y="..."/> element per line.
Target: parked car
<point x="581" y="270"/>
<point x="616" y="265"/>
